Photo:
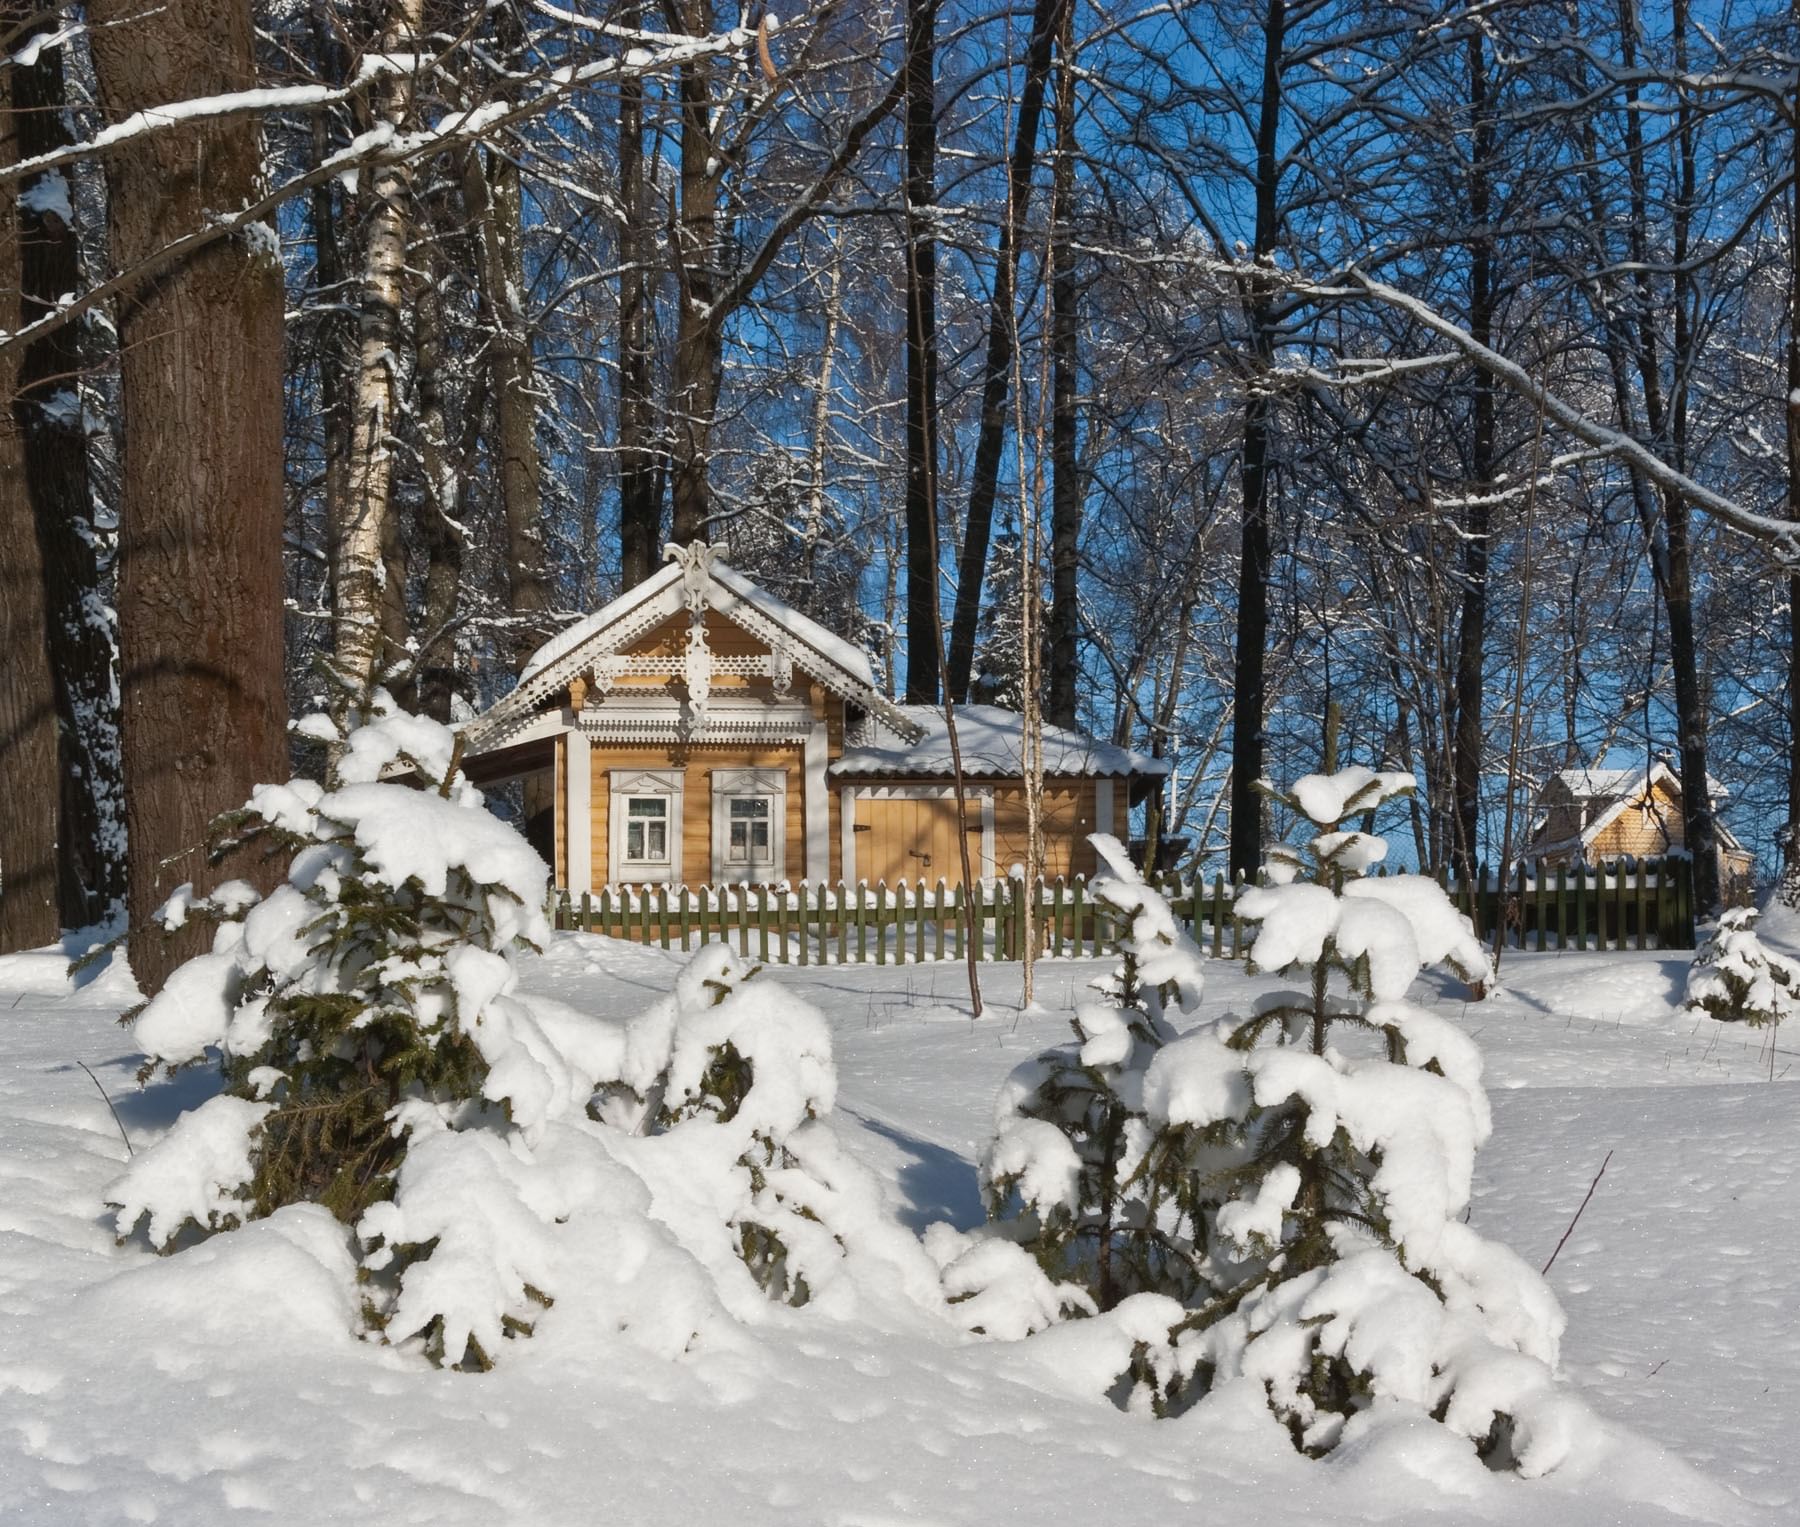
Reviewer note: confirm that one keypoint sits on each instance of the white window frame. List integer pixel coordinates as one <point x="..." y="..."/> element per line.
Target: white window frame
<point x="637" y="784"/>
<point x="737" y="784"/>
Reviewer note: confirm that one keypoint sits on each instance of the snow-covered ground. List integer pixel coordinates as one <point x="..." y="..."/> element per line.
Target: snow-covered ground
<point x="228" y="1380"/>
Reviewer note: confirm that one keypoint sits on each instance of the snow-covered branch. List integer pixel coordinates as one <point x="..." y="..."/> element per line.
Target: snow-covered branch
<point x="382" y="144"/>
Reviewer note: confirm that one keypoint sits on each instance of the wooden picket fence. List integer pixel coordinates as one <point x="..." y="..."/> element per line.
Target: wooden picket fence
<point x="1643" y="903"/>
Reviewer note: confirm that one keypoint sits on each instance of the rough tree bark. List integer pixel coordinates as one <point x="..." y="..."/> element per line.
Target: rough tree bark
<point x="997" y="369"/>
<point x="921" y="355"/>
<point x="28" y="804"/>
<point x="52" y="425"/>
<point x="200" y="577"/>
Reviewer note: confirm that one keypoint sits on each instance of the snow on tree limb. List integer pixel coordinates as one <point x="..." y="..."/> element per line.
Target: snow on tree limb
<point x="1782" y="536"/>
<point x="382" y="145"/>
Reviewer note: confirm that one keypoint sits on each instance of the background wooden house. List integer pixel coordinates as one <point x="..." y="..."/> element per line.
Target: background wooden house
<point x="1587" y="816"/>
<point x="699" y="731"/>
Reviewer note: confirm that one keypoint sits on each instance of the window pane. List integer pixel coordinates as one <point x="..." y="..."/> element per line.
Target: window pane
<point x="659" y="840"/>
<point x="634" y="840"/>
<point x="648" y="806"/>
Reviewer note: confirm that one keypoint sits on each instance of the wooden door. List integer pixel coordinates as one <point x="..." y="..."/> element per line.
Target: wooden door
<point x="913" y="838"/>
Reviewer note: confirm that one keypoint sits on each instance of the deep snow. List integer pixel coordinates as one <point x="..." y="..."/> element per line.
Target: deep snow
<point x="226" y="1379"/>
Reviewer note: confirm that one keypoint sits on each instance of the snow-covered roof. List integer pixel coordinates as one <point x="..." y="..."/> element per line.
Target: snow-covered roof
<point x="991" y="740"/>
<point x="1605" y="784"/>
<point x="692" y="579"/>
<point x="851" y="659"/>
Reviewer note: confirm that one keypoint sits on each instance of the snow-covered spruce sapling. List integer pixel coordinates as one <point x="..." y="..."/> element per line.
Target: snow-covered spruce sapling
<point x="731" y="1076"/>
<point x="1333" y="1134"/>
<point x="362" y="1007"/>
<point x="1737" y="978"/>
<point x="1070" y="1174"/>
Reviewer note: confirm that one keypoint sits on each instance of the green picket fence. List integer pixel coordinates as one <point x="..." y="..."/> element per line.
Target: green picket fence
<point x="1624" y="903"/>
<point x="1642" y="904"/>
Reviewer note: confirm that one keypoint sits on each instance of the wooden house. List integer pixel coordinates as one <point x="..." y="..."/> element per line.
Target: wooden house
<point x="699" y="731"/>
<point x="1587" y="816"/>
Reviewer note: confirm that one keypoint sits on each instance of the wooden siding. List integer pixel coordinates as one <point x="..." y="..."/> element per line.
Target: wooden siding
<point x="909" y="838"/>
<point x="560" y="776"/>
<point x="697" y="764"/>
<point x="1650" y="824"/>
<point x="1068" y="819"/>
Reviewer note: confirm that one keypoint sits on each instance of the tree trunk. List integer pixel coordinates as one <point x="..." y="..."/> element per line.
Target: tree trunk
<point x="1700" y="826"/>
<point x="53" y="428"/>
<point x="200" y="573"/>
<point x="358" y="574"/>
<point x="1065" y="468"/>
<point x="1249" y="697"/>
<point x="492" y="196"/>
<point x="971" y="574"/>
<point x="640" y="506"/>
<point x="922" y="615"/>
<point x="1791" y="839"/>
<point x="1478" y="526"/>
<point x="696" y="380"/>
<point x="441" y="515"/>
<point x="28" y="816"/>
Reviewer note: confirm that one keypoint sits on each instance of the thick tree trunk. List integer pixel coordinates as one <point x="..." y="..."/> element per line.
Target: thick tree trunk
<point x="1065" y="467"/>
<point x="971" y="573"/>
<point x="28" y="803"/>
<point x="200" y="574"/>
<point x="1249" y="696"/>
<point x="922" y="614"/>
<point x="640" y="490"/>
<point x="363" y="535"/>
<point x="51" y="422"/>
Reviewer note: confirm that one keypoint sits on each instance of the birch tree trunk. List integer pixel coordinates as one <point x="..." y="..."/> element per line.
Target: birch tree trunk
<point x="200" y="578"/>
<point x="362" y="536"/>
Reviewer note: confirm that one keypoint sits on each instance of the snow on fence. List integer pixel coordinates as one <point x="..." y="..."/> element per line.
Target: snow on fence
<point x="1626" y="903"/>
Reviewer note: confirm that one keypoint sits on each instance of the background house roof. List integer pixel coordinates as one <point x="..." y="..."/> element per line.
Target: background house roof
<point x="991" y="740"/>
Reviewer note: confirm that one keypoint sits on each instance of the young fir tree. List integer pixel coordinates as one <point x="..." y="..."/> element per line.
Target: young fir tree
<point x="1000" y="662"/>
<point x="728" y="1081"/>
<point x="1737" y="978"/>
<point x="361" y="1009"/>
<point x="1332" y="1135"/>
<point x="1071" y="1167"/>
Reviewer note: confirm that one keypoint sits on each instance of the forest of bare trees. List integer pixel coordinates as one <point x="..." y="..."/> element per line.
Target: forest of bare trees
<point x="1437" y="365"/>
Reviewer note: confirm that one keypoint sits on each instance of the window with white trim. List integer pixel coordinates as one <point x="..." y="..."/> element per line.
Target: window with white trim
<point x="647" y="830"/>
<point x="644" y="825"/>
<point x="749" y="825"/>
